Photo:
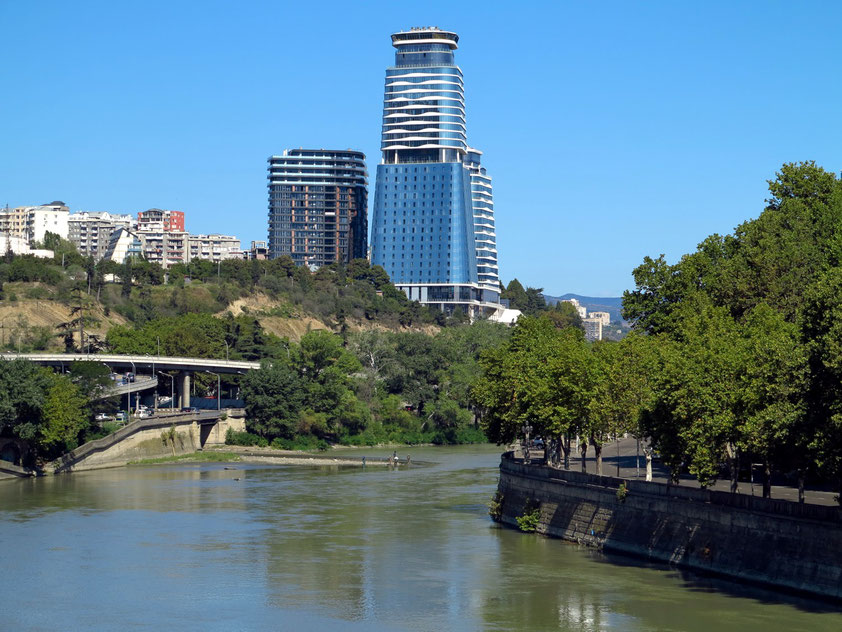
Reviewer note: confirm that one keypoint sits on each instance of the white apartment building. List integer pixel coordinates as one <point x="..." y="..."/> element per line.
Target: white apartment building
<point x="32" y="223"/>
<point x="19" y="246"/>
<point x="91" y="232"/>
<point x="214" y="247"/>
<point x="605" y="317"/>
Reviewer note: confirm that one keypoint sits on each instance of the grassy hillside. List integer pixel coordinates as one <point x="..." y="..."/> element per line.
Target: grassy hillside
<point x="42" y="302"/>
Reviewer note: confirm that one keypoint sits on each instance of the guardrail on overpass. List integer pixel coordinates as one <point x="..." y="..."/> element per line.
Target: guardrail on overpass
<point x="141" y="383"/>
<point x="161" y="363"/>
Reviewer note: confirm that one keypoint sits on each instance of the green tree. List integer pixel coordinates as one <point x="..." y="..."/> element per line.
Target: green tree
<point x="415" y="373"/>
<point x="65" y="415"/>
<point x="564" y="314"/>
<point x="90" y="376"/>
<point x="23" y="385"/>
<point x="822" y="333"/>
<point x="775" y="384"/>
<point x="697" y="392"/>
<point x="542" y="376"/>
<point x="273" y="396"/>
<point x="622" y="392"/>
<point x="325" y="368"/>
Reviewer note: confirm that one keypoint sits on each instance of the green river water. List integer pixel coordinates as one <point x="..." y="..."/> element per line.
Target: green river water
<point x="191" y="547"/>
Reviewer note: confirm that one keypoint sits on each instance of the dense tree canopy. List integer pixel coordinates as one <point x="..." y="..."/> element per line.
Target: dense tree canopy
<point x="734" y="357"/>
<point x="747" y="332"/>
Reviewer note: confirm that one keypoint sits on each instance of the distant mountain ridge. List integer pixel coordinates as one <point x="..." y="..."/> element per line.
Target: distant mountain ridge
<point x="612" y="305"/>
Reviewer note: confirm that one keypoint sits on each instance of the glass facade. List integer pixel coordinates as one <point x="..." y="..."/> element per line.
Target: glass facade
<point x="318" y="203"/>
<point x="433" y="215"/>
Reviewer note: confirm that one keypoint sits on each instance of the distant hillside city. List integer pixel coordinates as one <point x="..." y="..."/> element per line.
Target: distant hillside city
<point x="159" y="236"/>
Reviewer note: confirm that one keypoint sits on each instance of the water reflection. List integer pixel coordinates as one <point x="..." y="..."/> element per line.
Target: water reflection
<point x="199" y="546"/>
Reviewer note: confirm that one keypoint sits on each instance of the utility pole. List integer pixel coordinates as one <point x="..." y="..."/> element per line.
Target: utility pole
<point x="81" y="325"/>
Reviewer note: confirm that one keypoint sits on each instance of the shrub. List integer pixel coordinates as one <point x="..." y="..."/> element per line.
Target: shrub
<point x="232" y="437"/>
<point x="458" y="436"/>
<point x="622" y="492"/>
<point x="300" y="442"/>
<point x="495" y="507"/>
<point x="528" y="522"/>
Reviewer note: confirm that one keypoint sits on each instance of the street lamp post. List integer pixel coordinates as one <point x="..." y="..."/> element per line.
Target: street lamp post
<point x="172" y="387"/>
<point x="218" y="389"/>
<point x="527" y="429"/>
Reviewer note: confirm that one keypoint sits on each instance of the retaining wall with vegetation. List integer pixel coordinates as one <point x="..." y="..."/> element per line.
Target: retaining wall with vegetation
<point x="764" y="541"/>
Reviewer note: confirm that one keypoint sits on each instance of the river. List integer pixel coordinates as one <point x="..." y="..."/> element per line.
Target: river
<point x="199" y="547"/>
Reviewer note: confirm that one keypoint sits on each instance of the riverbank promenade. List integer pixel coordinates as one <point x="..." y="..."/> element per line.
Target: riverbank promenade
<point x="628" y="459"/>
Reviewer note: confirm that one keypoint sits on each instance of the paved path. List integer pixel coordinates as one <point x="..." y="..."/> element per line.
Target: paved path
<point x="628" y="469"/>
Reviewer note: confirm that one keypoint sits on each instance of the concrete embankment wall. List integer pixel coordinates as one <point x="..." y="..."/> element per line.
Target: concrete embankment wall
<point x="10" y="470"/>
<point x="143" y="440"/>
<point x="763" y="541"/>
<point x="144" y="444"/>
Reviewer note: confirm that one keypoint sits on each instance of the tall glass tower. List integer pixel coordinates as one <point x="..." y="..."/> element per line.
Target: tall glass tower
<point x="433" y="219"/>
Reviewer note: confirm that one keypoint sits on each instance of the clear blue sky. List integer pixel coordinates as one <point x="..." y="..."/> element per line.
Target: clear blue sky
<point x="612" y="130"/>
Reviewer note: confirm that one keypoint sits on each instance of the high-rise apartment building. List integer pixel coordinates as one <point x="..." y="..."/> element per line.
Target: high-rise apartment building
<point x="91" y="232"/>
<point x="164" y="247"/>
<point x="318" y="203"/>
<point x="433" y="221"/>
<point x="593" y="329"/>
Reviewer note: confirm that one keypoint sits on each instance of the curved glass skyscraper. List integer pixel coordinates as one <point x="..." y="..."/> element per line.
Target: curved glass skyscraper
<point x="433" y="220"/>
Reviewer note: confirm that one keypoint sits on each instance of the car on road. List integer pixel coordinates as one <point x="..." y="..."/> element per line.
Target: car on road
<point x="103" y="417"/>
<point x="129" y="377"/>
<point x="189" y="409"/>
<point x="121" y="417"/>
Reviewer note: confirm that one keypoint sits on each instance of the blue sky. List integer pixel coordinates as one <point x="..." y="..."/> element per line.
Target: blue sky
<point x="613" y="130"/>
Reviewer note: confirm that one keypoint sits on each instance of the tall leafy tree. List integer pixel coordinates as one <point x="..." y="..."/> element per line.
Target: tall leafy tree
<point x="23" y="385"/>
<point x="822" y="333"/>
<point x="774" y="422"/>
<point x="65" y="415"/>
<point x="541" y="376"/>
<point x="694" y="420"/>
<point x="623" y="390"/>
<point x="274" y="396"/>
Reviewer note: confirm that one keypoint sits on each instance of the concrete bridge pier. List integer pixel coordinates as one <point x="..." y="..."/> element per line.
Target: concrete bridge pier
<point x="184" y="389"/>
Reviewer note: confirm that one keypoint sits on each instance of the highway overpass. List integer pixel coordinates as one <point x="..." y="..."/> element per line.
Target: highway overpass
<point x="143" y="363"/>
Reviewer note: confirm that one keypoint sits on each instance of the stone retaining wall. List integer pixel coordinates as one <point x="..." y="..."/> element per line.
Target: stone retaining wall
<point x="142" y="439"/>
<point x="763" y="541"/>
